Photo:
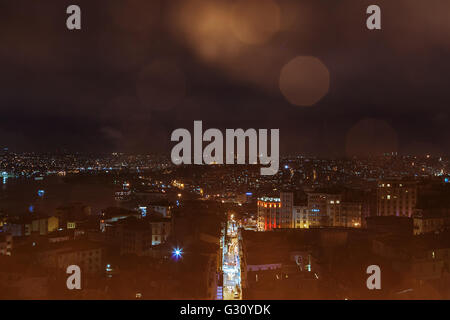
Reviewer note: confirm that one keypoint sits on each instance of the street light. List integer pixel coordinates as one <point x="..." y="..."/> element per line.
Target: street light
<point x="177" y="253"/>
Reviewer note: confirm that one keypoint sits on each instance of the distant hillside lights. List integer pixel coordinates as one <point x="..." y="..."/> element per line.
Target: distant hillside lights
<point x="213" y="152"/>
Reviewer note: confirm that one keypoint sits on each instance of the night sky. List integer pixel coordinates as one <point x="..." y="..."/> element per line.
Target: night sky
<point x="140" y="69"/>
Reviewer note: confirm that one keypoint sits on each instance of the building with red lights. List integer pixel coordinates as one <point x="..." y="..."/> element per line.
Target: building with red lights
<point x="269" y="211"/>
<point x="275" y="213"/>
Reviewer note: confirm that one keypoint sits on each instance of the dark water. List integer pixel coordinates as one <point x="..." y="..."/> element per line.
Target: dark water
<point x="17" y="195"/>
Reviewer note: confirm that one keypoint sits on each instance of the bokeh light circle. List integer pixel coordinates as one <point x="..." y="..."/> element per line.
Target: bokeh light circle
<point x="255" y="21"/>
<point x="304" y="81"/>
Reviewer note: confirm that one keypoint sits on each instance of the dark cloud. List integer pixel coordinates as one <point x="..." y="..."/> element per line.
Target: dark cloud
<point x="82" y="90"/>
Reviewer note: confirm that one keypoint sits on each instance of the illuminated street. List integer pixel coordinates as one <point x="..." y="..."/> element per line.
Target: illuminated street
<point x="231" y="263"/>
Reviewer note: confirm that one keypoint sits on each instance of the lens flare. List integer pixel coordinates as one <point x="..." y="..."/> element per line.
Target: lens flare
<point x="177" y="253"/>
<point x="255" y="21"/>
<point x="304" y="81"/>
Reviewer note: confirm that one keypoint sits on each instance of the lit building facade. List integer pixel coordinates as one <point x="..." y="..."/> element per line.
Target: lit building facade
<point x="300" y="216"/>
<point x="269" y="211"/>
<point x="396" y="198"/>
<point x="329" y="209"/>
<point x="275" y="213"/>
<point x="322" y="208"/>
<point x="26" y="226"/>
